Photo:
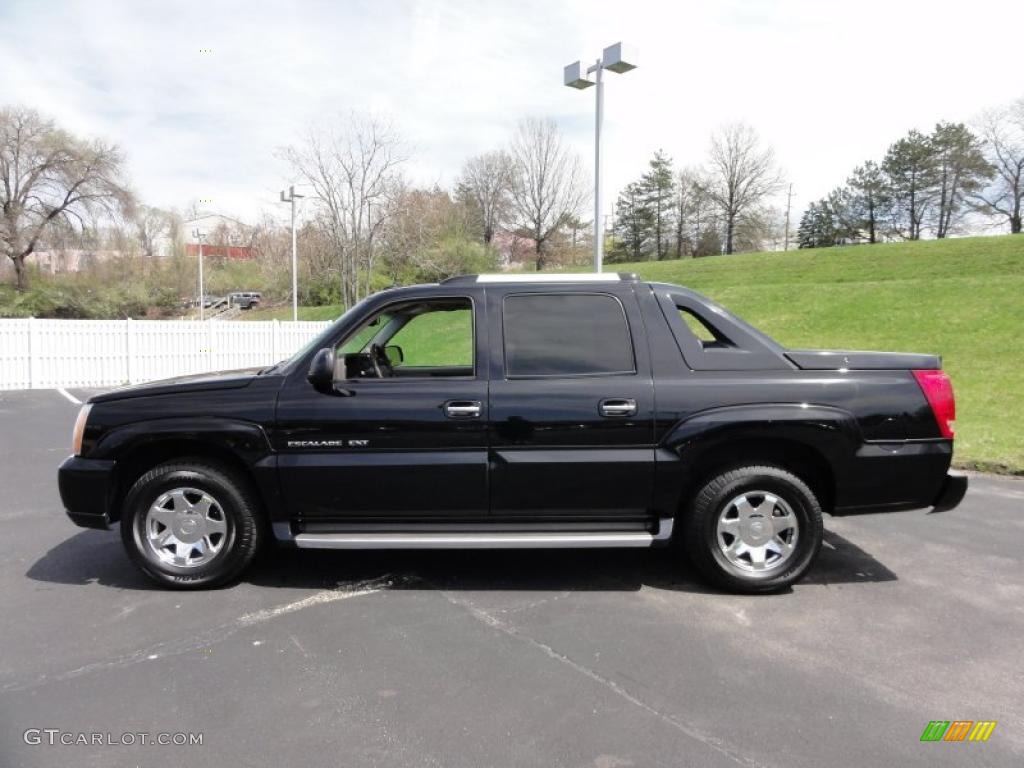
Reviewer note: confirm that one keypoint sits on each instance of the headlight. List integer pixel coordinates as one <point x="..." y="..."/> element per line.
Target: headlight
<point x="79" y="433"/>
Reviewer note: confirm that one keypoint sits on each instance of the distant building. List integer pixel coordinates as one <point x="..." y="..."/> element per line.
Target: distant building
<point x="225" y="237"/>
<point x="70" y="259"/>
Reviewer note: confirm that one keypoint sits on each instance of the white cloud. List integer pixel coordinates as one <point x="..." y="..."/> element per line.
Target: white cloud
<point x="827" y="84"/>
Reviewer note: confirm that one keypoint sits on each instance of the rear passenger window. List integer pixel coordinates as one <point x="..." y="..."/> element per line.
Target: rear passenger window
<point x="569" y="334"/>
<point x="708" y="335"/>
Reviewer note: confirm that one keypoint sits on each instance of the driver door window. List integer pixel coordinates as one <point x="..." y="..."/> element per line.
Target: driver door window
<point x="418" y="339"/>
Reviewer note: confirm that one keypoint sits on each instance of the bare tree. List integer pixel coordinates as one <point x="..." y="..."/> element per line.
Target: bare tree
<point x="485" y="183"/>
<point x="150" y="225"/>
<point x="1002" y="131"/>
<point x="741" y="175"/>
<point x="47" y="175"/>
<point x="353" y="170"/>
<point x="547" y="182"/>
<point x="688" y="200"/>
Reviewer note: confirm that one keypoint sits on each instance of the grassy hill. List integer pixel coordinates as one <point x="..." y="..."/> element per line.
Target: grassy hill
<point x="962" y="299"/>
<point x="284" y="312"/>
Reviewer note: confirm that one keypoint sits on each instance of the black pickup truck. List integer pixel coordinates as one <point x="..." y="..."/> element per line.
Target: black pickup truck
<point x="519" y="411"/>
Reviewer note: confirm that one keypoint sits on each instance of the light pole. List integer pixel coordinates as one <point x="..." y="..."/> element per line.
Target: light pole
<point x="616" y="58"/>
<point x="199" y="235"/>
<point x="295" y="262"/>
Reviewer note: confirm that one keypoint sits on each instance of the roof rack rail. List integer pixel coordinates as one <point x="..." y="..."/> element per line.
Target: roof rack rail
<point x="548" y="277"/>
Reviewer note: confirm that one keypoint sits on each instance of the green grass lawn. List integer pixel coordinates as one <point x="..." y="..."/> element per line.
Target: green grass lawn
<point x="962" y="299"/>
<point x="438" y="339"/>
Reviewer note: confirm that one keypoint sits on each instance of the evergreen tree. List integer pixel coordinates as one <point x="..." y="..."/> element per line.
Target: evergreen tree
<point x="633" y="221"/>
<point x="869" y="199"/>
<point x="817" y="226"/>
<point x="681" y="202"/>
<point x="658" y="187"/>
<point x="961" y="170"/>
<point x="910" y="169"/>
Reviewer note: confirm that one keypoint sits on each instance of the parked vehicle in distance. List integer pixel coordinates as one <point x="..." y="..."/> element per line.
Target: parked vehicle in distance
<point x="209" y="301"/>
<point x="518" y="411"/>
<point x="245" y="299"/>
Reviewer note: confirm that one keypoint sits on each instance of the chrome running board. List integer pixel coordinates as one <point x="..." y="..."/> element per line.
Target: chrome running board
<point x="480" y="540"/>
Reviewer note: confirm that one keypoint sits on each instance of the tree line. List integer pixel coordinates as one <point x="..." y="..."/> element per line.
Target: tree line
<point x="367" y="225"/>
<point x="376" y="225"/>
<point x="719" y="207"/>
<point x="928" y="184"/>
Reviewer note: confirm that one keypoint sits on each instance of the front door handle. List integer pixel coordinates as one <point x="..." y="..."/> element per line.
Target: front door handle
<point x="618" y="406"/>
<point x="462" y="409"/>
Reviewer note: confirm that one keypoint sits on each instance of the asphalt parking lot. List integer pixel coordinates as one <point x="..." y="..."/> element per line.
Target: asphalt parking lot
<point x="604" y="659"/>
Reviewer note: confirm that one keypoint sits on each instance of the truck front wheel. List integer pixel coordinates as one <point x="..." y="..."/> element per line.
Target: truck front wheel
<point x="191" y="524"/>
<point x="753" y="529"/>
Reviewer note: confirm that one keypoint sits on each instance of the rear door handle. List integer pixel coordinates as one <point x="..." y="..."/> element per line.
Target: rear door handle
<point x="618" y="406"/>
<point x="462" y="409"/>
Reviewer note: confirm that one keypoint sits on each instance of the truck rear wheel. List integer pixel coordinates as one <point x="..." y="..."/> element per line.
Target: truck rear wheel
<point x="753" y="529"/>
<point x="190" y="524"/>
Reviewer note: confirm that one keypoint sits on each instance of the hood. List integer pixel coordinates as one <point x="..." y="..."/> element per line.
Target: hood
<point x="195" y="383"/>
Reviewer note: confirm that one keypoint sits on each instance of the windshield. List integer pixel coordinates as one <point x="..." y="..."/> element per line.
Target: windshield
<point x="358" y="341"/>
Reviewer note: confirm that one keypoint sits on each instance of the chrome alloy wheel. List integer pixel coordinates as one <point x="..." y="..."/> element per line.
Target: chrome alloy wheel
<point x="185" y="527"/>
<point x="757" y="531"/>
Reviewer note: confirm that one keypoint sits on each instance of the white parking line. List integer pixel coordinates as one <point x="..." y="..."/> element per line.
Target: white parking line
<point x="69" y="396"/>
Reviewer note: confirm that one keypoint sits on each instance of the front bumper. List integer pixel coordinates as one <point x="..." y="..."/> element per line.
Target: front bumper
<point x="954" y="488"/>
<point x="85" y="489"/>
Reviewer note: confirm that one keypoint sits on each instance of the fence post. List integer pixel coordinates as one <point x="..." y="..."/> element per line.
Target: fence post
<point x="128" y="350"/>
<point x="274" y="357"/>
<point x="33" y="352"/>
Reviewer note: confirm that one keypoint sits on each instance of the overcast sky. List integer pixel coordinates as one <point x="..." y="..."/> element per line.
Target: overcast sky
<point x="828" y="84"/>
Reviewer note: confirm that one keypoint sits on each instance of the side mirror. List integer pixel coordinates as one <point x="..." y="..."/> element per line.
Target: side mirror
<point x="321" y="371"/>
<point x="395" y="354"/>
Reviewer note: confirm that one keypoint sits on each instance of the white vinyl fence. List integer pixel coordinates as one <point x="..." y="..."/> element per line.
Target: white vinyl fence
<point x="41" y="354"/>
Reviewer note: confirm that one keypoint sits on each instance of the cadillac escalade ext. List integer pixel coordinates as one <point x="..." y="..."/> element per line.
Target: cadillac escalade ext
<point x="518" y="411"/>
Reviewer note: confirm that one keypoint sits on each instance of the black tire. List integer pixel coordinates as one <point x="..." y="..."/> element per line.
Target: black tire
<point x="700" y="528"/>
<point x="239" y="511"/>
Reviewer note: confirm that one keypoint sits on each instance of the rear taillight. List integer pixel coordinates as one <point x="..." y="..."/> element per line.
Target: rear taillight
<point x="938" y="390"/>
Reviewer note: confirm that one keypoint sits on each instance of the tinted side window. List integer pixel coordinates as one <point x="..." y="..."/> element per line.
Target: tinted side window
<point x="566" y="334"/>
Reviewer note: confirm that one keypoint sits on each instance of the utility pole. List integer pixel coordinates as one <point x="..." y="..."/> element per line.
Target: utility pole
<point x="789" y="202"/>
<point x="199" y="236"/>
<point x="295" y="261"/>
